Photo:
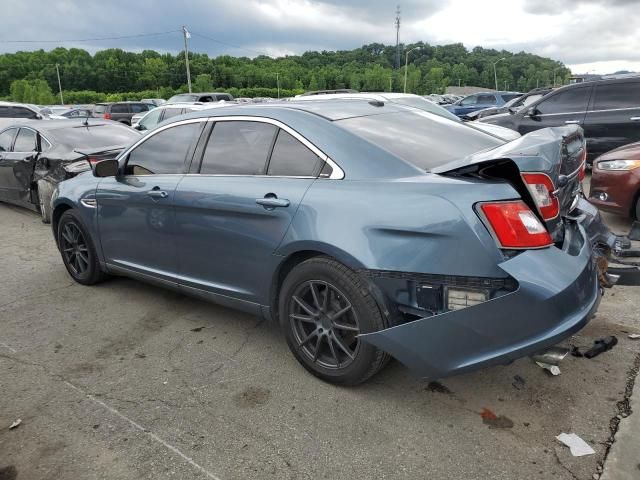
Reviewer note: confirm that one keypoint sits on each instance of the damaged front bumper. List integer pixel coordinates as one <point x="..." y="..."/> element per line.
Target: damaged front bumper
<point x="557" y="294"/>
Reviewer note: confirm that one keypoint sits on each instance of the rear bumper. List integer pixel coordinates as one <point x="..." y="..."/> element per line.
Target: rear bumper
<point x="557" y="295"/>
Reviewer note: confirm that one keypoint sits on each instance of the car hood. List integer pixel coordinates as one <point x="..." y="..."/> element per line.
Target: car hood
<point x="626" y="152"/>
<point x="494" y="118"/>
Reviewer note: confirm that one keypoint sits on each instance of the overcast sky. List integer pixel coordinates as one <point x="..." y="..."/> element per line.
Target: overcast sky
<point x="587" y="35"/>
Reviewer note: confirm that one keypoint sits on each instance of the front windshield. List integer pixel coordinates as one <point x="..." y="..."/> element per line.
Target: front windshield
<point x="183" y="97"/>
<point x="427" y="106"/>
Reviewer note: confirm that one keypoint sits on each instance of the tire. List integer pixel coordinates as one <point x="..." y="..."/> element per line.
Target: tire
<point x="318" y="334"/>
<point x="77" y="250"/>
<point x="637" y="209"/>
<point x="45" y="192"/>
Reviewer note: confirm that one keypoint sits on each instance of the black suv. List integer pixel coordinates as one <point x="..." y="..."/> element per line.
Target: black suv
<point x="608" y="111"/>
<point x="120" y="111"/>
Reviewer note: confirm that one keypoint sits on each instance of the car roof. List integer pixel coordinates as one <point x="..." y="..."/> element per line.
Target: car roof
<point x="16" y="104"/>
<point x="54" y="124"/>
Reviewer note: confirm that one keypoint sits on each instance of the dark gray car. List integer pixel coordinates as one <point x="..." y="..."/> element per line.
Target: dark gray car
<point x="366" y="230"/>
<point x="120" y="111"/>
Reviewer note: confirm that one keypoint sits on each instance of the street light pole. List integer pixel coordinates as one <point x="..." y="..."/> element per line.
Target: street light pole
<point x="59" y="85"/>
<point x="186" y="35"/>
<point x="406" y="66"/>
<point x="495" y="73"/>
<point x="278" y="83"/>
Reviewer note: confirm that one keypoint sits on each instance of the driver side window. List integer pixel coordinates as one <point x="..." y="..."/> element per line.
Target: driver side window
<point x="469" y="101"/>
<point x="6" y="138"/>
<point x="165" y="152"/>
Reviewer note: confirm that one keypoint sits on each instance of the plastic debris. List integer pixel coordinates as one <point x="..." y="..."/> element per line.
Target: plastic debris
<point x="518" y="382"/>
<point x="634" y="336"/>
<point x="601" y="345"/>
<point x="577" y="446"/>
<point x="494" y="421"/>
<point x="15" y="424"/>
<point x="552" y="369"/>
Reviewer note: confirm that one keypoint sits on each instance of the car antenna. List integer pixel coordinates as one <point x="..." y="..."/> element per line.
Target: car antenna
<point x="86" y="122"/>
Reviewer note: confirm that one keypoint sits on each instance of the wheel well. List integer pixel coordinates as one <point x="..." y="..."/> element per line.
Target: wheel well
<point x="283" y="270"/>
<point x="635" y="211"/>
<point x="55" y="217"/>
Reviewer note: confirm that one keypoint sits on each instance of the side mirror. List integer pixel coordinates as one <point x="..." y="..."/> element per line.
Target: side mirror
<point x="106" y="168"/>
<point x="140" y="127"/>
<point x="534" y="112"/>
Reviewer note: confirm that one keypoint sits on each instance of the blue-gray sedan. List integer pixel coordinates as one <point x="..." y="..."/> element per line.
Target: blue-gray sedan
<point x="366" y="229"/>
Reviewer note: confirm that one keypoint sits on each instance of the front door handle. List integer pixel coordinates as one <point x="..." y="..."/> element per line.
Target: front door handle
<point x="271" y="201"/>
<point x="157" y="193"/>
<point x="635" y="119"/>
<point x="572" y="122"/>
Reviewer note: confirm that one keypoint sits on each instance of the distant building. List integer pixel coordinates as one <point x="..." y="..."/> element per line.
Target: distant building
<point x="587" y="77"/>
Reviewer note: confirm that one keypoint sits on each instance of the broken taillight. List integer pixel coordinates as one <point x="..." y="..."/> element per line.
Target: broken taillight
<point x="541" y="188"/>
<point x="107" y="116"/>
<point x="583" y="165"/>
<point x="514" y="225"/>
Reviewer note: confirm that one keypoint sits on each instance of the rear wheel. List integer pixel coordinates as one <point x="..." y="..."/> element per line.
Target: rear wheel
<point x="324" y="306"/>
<point x="77" y="250"/>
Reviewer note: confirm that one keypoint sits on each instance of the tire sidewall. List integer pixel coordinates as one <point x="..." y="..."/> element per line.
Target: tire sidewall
<point x="45" y="192"/>
<point x="368" y="320"/>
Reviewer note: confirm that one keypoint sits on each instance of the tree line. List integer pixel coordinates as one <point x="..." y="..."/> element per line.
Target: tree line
<point x="115" y="74"/>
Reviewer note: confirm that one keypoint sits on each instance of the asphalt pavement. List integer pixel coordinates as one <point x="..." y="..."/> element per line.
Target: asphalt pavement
<point x="128" y="381"/>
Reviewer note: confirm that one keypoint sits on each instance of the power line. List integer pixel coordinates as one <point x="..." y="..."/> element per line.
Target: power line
<point x="229" y="44"/>
<point x="97" y="39"/>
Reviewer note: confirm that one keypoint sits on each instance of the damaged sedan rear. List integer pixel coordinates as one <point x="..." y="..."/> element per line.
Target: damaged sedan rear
<point x="367" y="230"/>
<point x="35" y="156"/>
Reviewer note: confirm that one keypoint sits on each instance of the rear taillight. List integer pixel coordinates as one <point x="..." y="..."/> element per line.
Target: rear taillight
<point x="107" y="116"/>
<point x="514" y="225"/>
<point x="541" y="188"/>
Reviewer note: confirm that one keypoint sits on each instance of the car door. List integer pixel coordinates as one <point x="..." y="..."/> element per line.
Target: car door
<point x="6" y="171"/>
<point x="136" y="215"/>
<point x="17" y="167"/>
<point x="613" y="119"/>
<point x="232" y="215"/>
<point x="567" y="106"/>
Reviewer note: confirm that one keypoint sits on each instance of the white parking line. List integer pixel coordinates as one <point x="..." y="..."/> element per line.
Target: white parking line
<point x="144" y="430"/>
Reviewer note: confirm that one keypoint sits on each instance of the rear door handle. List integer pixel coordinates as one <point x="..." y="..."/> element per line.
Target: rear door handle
<point x="635" y="119"/>
<point x="572" y="122"/>
<point x="156" y="193"/>
<point x="271" y="201"/>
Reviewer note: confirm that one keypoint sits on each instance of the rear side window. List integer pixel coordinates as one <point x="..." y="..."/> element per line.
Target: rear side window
<point x="119" y="108"/>
<point x="4" y="112"/>
<point x="6" y="138"/>
<point x="25" y="141"/>
<point x="165" y="152"/>
<point x="567" y="101"/>
<point x="139" y="107"/>
<point x="486" y="100"/>
<point x="21" y="112"/>
<point x="238" y="148"/>
<point x="617" y="95"/>
<point x="292" y="159"/>
<point x="171" y="112"/>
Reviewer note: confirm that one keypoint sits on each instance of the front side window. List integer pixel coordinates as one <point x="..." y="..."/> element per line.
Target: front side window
<point x="6" y="138"/>
<point x="25" y="141"/>
<point x="164" y="152"/>
<point x="567" y="101"/>
<point x="617" y="95"/>
<point x="472" y="100"/>
<point x="151" y="119"/>
<point x="291" y="158"/>
<point x="238" y="148"/>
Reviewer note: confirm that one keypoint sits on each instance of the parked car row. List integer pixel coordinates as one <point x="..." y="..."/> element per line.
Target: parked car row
<point x="367" y="225"/>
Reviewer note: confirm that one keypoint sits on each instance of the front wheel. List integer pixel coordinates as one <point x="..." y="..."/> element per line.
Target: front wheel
<point x="323" y="307"/>
<point x="77" y="250"/>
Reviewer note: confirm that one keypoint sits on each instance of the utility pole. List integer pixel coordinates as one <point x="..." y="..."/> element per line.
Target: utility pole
<point x="495" y="74"/>
<point x="186" y="35"/>
<point x="459" y="80"/>
<point x="59" y="85"/>
<point x="391" y="84"/>
<point x="398" y="36"/>
<point x="278" y="82"/>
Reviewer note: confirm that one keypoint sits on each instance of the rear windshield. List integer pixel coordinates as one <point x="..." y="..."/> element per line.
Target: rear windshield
<point x="100" y="108"/>
<point x="186" y="97"/>
<point x="94" y="136"/>
<point x="423" y="139"/>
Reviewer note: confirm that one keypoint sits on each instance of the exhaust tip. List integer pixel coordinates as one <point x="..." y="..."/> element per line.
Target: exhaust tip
<point x="552" y="356"/>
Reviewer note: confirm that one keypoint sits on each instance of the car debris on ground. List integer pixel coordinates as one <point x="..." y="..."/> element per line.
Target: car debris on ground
<point x="15" y="424"/>
<point x="577" y="446"/>
<point x="552" y="369"/>
<point x="599" y="346"/>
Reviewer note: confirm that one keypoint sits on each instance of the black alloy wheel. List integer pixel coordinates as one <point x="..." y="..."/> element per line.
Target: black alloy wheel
<point x="325" y="324"/>
<point x="74" y="248"/>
